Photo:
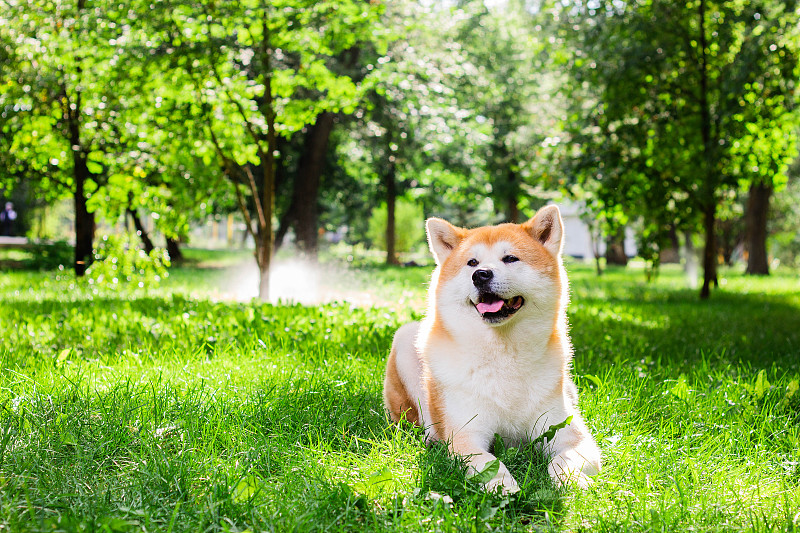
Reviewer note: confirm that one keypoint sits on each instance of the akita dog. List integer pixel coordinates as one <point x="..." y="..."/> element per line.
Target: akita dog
<point x="492" y="355"/>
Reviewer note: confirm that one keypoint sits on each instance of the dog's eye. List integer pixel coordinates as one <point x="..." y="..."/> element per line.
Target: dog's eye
<point x="510" y="259"/>
<point x="472" y="262"/>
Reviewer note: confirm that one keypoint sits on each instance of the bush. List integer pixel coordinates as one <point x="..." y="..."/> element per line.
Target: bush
<point x="117" y="259"/>
<point x="409" y="226"/>
<point x="49" y="256"/>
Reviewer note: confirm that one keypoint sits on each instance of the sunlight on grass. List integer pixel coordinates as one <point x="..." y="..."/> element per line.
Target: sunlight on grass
<point x="151" y="409"/>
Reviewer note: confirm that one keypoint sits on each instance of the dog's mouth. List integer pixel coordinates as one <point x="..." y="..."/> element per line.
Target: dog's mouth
<point x="492" y="308"/>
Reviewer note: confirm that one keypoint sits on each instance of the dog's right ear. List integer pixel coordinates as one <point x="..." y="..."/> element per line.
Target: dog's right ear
<point x="443" y="237"/>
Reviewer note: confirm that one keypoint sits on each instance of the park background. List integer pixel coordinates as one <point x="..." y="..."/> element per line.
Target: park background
<point x="220" y="224"/>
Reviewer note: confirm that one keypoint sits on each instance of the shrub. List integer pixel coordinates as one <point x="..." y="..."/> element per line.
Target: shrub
<point x="409" y="226"/>
<point x="117" y="259"/>
<point x="49" y="256"/>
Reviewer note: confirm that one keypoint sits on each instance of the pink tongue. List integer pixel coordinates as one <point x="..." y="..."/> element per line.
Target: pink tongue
<point x="493" y="307"/>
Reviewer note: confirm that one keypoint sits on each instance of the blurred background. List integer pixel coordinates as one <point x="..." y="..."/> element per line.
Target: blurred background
<point x="666" y="131"/>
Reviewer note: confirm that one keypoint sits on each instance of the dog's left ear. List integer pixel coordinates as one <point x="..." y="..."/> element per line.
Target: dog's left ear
<point x="547" y="228"/>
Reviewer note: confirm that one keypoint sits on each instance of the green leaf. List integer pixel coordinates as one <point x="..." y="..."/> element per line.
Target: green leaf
<point x="551" y="431"/>
<point x="593" y="379"/>
<point x="489" y="471"/>
<point x="499" y="445"/>
<point x="246" y="488"/>
<point x="791" y="389"/>
<point x="63" y="356"/>
<point x="681" y="389"/>
<point x="762" y="385"/>
<point x="94" y="168"/>
<point x="375" y="483"/>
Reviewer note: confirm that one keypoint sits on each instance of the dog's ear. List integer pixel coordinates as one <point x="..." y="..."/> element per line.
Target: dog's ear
<point x="547" y="228"/>
<point x="443" y="237"/>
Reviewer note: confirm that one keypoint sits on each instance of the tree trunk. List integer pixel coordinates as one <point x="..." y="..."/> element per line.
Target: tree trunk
<point x="305" y="197"/>
<point x="263" y="255"/>
<point x="264" y="239"/>
<point x="174" y="250"/>
<point x="140" y="231"/>
<point x="710" y="183"/>
<point x="690" y="264"/>
<point x="673" y="253"/>
<point x="727" y="240"/>
<point x="391" y="201"/>
<point x="710" y="251"/>
<point x="263" y="283"/>
<point x="286" y="221"/>
<point x="84" y="220"/>
<point x="512" y="197"/>
<point x="615" y="248"/>
<point x="756" y="220"/>
<point x="594" y="240"/>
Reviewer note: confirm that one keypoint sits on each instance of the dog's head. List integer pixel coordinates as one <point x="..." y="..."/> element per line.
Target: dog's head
<point x="496" y="275"/>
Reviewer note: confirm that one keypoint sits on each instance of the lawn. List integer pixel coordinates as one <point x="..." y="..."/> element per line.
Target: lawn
<point x="166" y="409"/>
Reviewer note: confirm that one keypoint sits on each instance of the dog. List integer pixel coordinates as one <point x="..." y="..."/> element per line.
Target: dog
<point x="492" y="355"/>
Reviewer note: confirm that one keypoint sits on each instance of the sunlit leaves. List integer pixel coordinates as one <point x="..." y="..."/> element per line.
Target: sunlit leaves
<point x="639" y="109"/>
<point x="66" y="96"/>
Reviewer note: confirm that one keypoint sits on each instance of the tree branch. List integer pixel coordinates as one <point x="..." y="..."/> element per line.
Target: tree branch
<point x="254" y="190"/>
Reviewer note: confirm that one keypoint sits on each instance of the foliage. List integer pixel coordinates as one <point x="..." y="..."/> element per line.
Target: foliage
<point x="510" y="90"/>
<point x="58" y="85"/>
<point x="269" y="64"/>
<point x="118" y="261"/>
<point x="410" y="232"/>
<point x="676" y="106"/>
<point x="411" y="122"/>
<point x="661" y="113"/>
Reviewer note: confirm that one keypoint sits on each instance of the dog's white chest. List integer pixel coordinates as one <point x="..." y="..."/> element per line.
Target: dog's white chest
<point x="504" y="392"/>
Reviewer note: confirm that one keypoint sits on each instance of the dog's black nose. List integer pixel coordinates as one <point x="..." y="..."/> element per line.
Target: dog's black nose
<point x="482" y="276"/>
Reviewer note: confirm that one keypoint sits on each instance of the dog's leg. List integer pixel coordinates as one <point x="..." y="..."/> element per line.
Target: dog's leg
<point x="576" y="457"/>
<point x="395" y="395"/>
<point x="477" y="456"/>
<point x="402" y="394"/>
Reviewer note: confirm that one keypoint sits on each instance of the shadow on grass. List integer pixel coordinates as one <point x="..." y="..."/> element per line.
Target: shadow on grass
<point x="539" y="500"/>
<point x="623" y="325"/>
<point x="676" y="329"/>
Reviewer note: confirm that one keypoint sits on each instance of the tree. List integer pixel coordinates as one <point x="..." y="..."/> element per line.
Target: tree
<point x="302" y="212"/>
<point x="64" y="103"/>
<point x="767" y="153"/>
<point x="680" y="90"/>
<point x="411" y="120"/>
<point x="265" y="63"/>
<point x="785" y="219"/>
<point x="509" y="89"/>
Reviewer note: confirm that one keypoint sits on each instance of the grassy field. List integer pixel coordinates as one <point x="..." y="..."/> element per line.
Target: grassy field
<point x="166" y="410"/>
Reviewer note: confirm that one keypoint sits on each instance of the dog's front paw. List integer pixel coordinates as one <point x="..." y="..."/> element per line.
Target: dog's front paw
<point x="566" y="477"/>
<point x="569" y="468"/>
<point x="494" y="474"/>
<point x="506" y="483"/>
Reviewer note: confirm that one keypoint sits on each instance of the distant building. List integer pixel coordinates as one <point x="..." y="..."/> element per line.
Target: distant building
<point x="578" y="240"/>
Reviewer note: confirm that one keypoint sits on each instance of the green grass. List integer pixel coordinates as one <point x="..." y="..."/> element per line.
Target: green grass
<point x="159" y="409"/>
